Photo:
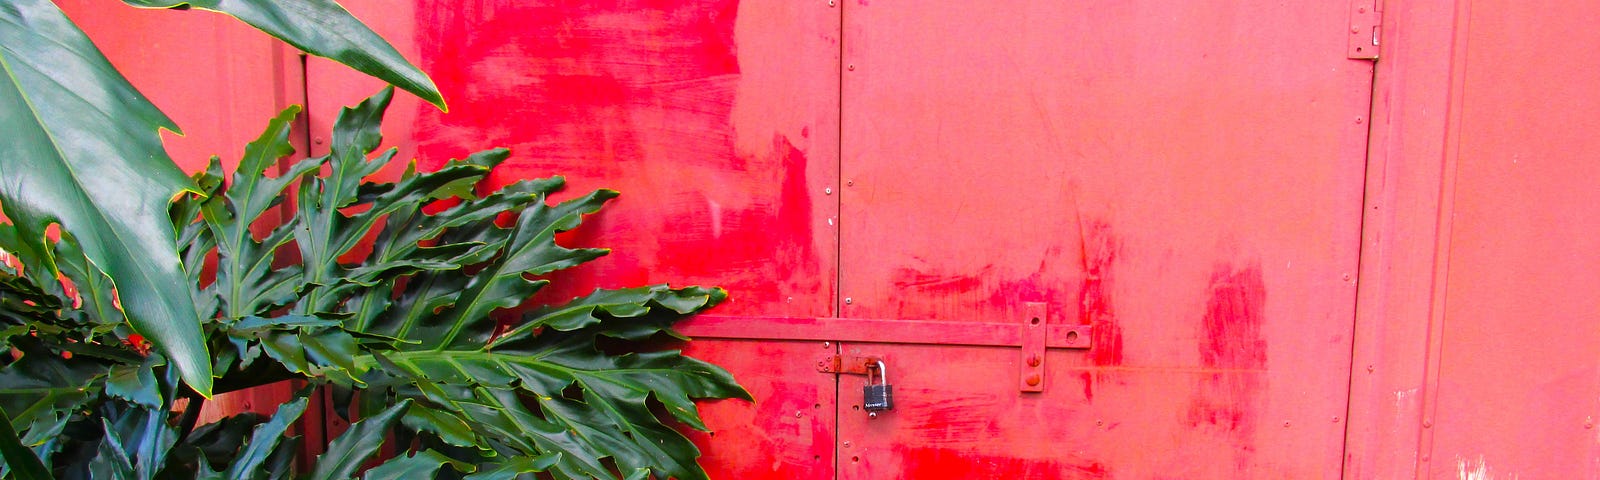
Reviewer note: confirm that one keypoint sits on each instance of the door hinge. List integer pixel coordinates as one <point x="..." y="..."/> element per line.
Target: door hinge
<point x="1366" y="28"/>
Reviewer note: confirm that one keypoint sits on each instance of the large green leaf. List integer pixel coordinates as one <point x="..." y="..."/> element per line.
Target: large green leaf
<point x="81" y="149"/>
<point x="346" y="453"/>
<point x="21" y="461"/>
<point x="424" y="464"/>
<point x="322" y="28"/>
<point x="255" y="460"/>
<point x="484" y="385"/>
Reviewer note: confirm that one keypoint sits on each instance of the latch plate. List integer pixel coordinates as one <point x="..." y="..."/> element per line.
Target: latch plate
<point x="847" y="364"/>
<point x="1034" y="330"/>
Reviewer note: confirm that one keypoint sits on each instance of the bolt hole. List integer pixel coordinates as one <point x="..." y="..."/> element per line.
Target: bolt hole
<point x="855" y="407"/>
<point x="816" y="405"/>
<point x="1034" y="321"/>
<point x="816" y="457"/>
<point x="711" y="433"/>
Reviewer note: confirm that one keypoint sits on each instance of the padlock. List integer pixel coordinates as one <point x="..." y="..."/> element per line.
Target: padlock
<point x="878" y="397"/>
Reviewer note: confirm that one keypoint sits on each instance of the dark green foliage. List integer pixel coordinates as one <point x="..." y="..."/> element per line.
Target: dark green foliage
<point x="405" y="334"/>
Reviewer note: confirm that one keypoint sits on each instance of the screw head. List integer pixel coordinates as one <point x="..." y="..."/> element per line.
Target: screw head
<point x="1033" y="360"/>
<point x="1033" y="380"/>
<point x="827" y="191"/>
<point x="848" y="301"/>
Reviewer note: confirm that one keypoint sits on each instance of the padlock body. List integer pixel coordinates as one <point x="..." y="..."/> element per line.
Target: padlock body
<point x="877" y="398"/>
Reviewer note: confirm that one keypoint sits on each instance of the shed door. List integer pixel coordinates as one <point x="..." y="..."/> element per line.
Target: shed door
<point x="1182" y="179"/>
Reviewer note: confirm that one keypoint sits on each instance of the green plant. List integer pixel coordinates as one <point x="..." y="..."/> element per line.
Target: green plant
<point x="405" y="334"/>
<point x="81" y="149"/>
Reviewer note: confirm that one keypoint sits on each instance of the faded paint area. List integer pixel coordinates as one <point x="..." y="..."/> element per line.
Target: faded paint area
<point x="1477" y="469"/>
<point x="1231" y="346"/>
<point x="1096" y="307"/>
<point x="640" y="99"/>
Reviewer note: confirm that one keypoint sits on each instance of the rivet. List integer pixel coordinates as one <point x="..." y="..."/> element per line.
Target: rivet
<point x="1359" y="120"/>
<point x="827" y="344"/>
<point x="1358" y="9"/>
<point x="1335" y="419"/>
<point x="1098" y="423"/>
<point x="1355" y="29"/>
<point x="1427" y="423"/>
<point x="1588" y="422"/>
<point x="848" y="301"/>
<point x="1033" y="360"/>
<point x="1347" y="276"/>
<point x="831" y="3"/>
<point x="1370" y="368"/>
<point x="798" y="414"/>
<point x="827" y="191"/>
<point x="846" y="444"/>
<point x="317" y="140"/>
<point x="1285" y="424"/>
<point x="849" y="183"/>
<point x="852" y="67"/>
<point x="1033" y="380"/>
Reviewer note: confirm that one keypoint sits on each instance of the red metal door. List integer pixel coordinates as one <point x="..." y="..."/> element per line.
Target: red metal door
<point x="1183" y="179"/>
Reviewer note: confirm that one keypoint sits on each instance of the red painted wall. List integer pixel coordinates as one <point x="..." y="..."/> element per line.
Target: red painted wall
<point x="1289" y="263"/>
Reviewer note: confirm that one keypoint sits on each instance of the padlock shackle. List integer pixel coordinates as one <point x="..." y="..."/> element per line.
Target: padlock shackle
<point x="883" y="373"/>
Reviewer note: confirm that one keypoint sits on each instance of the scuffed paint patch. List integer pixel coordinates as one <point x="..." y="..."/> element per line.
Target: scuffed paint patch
<point x="1476" y="469"/>
<point x="1401" y="397"/>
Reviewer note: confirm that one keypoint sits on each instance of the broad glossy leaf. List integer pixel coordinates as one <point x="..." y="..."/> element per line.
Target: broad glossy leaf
<point x="136" y="382"/>
<point x="346" y="453"/>
<point x="18" y="459"/>
<point x="113" y="462"/>
<point x="41" y="391"/>
<point x="513" y="467"/>
<point x="321" y="28"/>
<point x="253" y="462"/>
<point x="82" y="149"/>
<point x="217" y="443"/>
<point x="423" y="464"/>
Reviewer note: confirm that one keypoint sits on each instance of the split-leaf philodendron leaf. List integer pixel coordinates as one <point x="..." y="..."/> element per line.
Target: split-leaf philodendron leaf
<point x="396" y="303"/>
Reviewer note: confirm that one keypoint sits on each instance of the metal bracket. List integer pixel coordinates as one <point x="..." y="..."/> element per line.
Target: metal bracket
<point x="1034" y="337"/>
<point x="852" y="365"/>
<point x="1366" y="22"/>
